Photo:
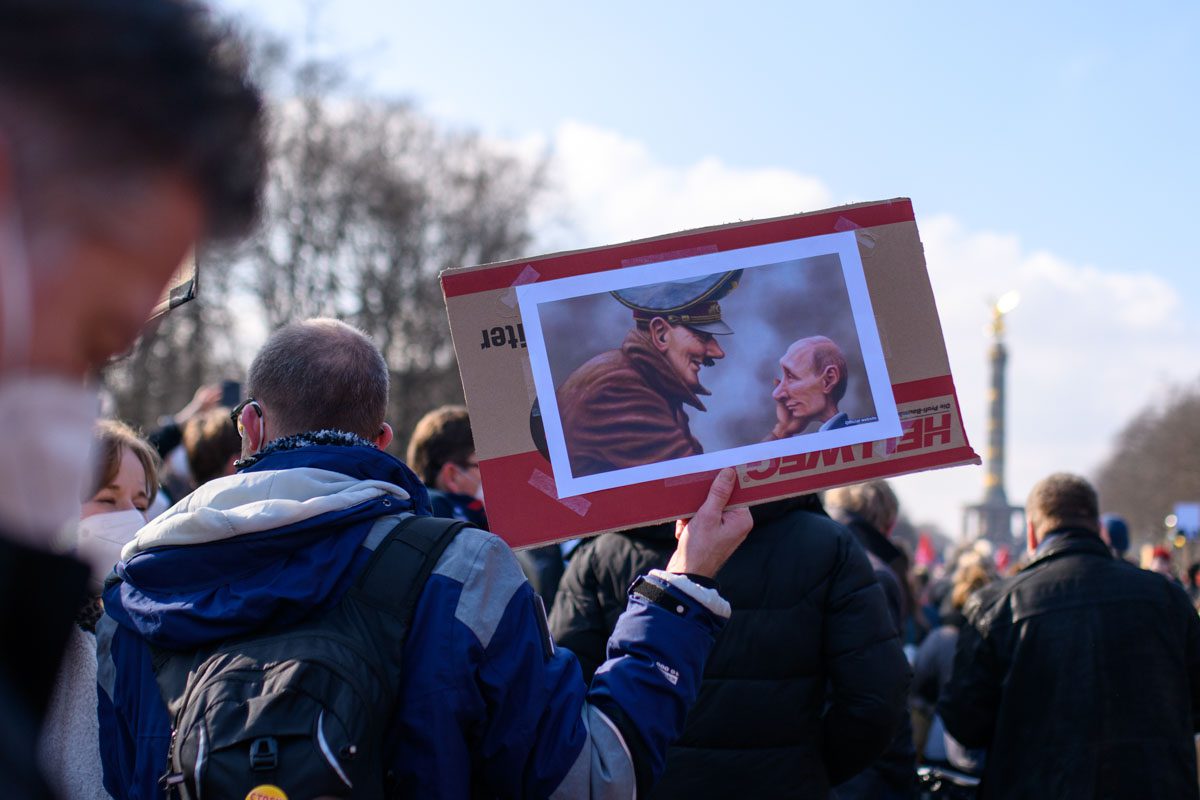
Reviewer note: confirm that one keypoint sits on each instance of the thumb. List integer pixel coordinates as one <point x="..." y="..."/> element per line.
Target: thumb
<point x="720" y="492"/>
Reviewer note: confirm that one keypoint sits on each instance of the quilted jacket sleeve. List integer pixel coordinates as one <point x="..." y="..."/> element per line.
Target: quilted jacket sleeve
<point x="869" y="675"/>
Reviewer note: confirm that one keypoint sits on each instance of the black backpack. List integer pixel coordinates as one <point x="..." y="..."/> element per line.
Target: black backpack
<point x="302" y="712"/>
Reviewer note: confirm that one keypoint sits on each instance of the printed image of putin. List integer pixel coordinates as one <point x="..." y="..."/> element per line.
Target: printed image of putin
<point x="625" y="407"/>
<point x="811" y="384"/>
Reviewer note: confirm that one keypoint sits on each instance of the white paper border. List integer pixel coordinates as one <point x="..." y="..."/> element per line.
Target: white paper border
<point x="845" y="245"/>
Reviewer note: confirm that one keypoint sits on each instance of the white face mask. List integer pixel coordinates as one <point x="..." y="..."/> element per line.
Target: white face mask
<point x="47" y="420"/>
<point x="101" y="537"/>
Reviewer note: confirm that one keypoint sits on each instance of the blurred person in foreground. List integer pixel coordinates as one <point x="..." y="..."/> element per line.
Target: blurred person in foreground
<point x="1081" y="673"/>
<point x="485" y="704"/>
<point x="870" y="510"/>
<point x="442" y="453"/>
<point x="128" y="133"/>
<point x="114" y="509"/>
<point x="806" y="685"/>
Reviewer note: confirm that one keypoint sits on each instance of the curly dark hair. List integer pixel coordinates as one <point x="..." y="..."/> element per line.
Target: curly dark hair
<point x="104" y="88"/>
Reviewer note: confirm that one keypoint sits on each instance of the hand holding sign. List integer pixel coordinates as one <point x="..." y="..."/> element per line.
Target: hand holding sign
<point x="707" y="540"/>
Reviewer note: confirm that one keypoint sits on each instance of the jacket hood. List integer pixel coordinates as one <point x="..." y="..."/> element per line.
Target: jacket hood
<point x="263" y="547"/>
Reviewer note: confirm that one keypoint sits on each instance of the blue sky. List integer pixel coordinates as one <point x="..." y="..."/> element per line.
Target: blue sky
<point x="1076" y="126"/>
<point x="1050" y="148"/>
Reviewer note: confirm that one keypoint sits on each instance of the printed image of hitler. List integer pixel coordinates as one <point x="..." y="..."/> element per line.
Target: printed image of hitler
<point x="625" y="407"/>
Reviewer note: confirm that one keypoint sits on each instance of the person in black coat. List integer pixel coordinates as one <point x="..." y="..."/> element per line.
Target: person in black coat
<point x="807" y="684"/>
<point x="1080" y="674"/>
<point x="870" y="510"/>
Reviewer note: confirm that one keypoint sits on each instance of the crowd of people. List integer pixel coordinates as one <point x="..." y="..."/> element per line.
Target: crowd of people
<point x="1015" y="680"/>
<point x="260" y="601"/>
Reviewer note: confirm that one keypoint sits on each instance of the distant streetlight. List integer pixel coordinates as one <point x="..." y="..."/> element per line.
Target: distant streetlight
<point x="1171" y="521"/>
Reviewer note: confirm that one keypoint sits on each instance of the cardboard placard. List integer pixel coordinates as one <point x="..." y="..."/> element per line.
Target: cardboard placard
<point x="523" y="329"/>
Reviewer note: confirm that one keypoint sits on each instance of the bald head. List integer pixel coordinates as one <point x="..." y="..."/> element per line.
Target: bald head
<point x="818" y="354"/>
<point x="321" y="374"/>
<point x="812" y="380"/>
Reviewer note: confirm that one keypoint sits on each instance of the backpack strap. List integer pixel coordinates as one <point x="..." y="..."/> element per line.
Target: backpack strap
<point x="171" y="672"/>
<point x="403" y="561"/>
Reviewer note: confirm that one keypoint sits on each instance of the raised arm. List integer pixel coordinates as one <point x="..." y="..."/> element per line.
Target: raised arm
<point x="611" y="740"/>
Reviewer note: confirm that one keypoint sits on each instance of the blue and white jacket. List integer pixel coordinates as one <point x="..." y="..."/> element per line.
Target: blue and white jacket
<point x="483" y="711"/>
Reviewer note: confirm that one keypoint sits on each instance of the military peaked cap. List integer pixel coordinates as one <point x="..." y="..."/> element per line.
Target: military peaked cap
<point x="692" y="302"/>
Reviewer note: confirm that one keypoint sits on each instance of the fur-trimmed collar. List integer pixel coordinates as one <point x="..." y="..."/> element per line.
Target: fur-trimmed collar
<point x="328" y="436"/>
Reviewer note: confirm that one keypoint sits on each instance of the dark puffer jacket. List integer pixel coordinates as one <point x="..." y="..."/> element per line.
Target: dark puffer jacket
<point x="894" y="773"/>
<point x="1081" y="675"/>
<point x="807" y="683"/>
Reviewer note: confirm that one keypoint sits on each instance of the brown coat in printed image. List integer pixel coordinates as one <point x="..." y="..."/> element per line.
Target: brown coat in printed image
<point x="624" y="408"/>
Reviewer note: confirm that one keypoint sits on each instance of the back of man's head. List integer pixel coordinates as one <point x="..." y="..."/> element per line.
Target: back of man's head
<point x="873" y="501"/>
<point x="443" y="436"/>
<point x="94" y="93"/>
<point x="1062" y="500"/>
<point x="320" y="374"/>
<point x="211" y="442"/>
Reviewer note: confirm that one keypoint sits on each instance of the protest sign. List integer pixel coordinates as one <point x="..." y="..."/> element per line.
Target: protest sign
<point x="606" y="386"/>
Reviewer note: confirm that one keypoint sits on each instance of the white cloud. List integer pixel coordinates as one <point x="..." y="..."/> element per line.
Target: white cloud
<point x="617" y="190"/>
<point x="1087" y="348"/>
